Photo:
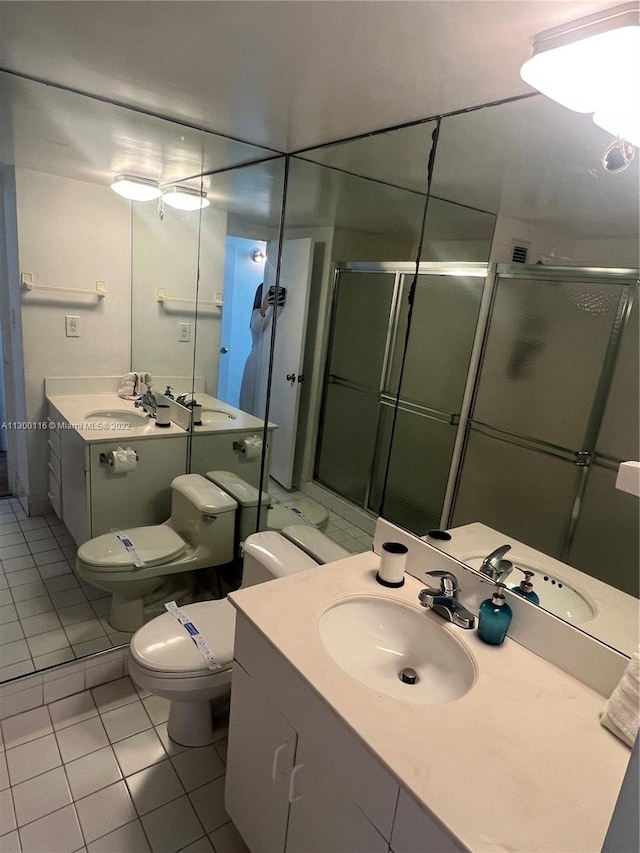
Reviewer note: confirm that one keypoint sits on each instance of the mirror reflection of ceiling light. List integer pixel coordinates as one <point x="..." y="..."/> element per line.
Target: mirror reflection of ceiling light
<point x="136" y="189"/>
<point x="185" y="198"/>
<point x="592" y="65"/>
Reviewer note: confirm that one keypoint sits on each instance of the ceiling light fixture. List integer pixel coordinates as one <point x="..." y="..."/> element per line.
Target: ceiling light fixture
<point x="136" y="189"/>
<point x="185" y="198"/>
<point x="592" y="65"/>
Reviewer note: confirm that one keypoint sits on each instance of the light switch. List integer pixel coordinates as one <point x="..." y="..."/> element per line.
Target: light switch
<point x="72" y="326"/>
<point x="184" y="331"/>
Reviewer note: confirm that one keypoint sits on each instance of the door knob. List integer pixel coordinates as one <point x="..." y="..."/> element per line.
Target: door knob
<point x="291" y="377"/>
<point x="224" y="350"/>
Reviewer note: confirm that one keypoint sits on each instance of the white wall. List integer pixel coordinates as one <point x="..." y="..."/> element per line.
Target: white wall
<point x="552" y="250"/>
<point x="70" y="233"/>
<point x="171" y="253"/>
<point x="545" y="245"/>
<point x="622" y="252"/>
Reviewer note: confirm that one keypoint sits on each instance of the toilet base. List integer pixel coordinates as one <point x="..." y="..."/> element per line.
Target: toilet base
<point x="130" y="613"/>
<point x="196" y="723"/>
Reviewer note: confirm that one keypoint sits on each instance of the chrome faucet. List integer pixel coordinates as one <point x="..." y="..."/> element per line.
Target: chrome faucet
<point x="494" y="565"/>
<point x="443" y="600"/>
<point x="147" y="402"/>
<point x="182" y="398"/>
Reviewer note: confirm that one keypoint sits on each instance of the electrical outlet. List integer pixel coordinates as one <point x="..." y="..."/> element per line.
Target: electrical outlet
<point x="72" y="326"/>
<point x="184" y="331"/>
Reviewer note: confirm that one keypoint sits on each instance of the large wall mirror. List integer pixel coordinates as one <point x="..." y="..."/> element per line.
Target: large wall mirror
<point x="180" y="285"/>
<point x="546" y="383"/>
<point x="342" y="402"/>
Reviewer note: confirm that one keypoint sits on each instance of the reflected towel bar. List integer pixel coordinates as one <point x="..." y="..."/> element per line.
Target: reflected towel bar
<point x="26" y="281"/>
<point x="163" y="296"/>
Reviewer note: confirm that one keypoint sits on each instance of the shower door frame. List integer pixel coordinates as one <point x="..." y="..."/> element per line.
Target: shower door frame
<point x="585" y="457"/>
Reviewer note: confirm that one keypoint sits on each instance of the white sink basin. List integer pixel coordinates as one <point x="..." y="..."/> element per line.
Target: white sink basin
<point x="375" y="639"/>
<point x="216" y="416"/>
<point x="116" y="417"/>
<point x="555" y="594"/>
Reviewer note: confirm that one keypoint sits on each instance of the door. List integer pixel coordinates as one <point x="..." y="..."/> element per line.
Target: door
<point x="243" y="272"/>
<point x="295" y="275"/>
<point x="261" y="749"/>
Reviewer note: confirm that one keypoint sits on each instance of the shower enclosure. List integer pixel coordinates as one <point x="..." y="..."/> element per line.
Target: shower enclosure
<point x="517" y="402"/>
<point x="367" y="347"/>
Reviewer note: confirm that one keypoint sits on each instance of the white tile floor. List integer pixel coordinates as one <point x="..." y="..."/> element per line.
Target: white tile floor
<point x="47" y="614"/>
<point x="97" y="772"/>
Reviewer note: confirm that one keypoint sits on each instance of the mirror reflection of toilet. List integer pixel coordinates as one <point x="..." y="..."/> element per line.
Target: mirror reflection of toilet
<point x="210" y="517"/>
<point x="200" y="533"/>
<point x="164" y="660"/>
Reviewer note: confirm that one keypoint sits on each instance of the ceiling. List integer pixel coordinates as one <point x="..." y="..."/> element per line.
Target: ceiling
<point x="285" y="75"/>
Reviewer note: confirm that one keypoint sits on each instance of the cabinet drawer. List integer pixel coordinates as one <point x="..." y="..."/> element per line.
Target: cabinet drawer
<point x="55" y="466"/>
<point x="54" y="438"/>
<point x="55" y="494"/>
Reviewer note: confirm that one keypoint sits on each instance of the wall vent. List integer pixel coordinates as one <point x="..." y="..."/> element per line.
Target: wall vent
<point x="519" y="252"/>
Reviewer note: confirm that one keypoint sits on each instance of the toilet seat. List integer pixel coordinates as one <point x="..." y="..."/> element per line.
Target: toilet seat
<point x="164" y="646"/>
<point x="154" y="545"/>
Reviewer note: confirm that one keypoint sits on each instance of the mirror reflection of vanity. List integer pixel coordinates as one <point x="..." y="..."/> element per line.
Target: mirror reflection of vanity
<point x="522" y="177"/>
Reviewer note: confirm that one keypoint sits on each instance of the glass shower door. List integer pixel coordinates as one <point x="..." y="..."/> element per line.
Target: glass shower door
<point x="533" y="459"/>
<point x="436" y="365"/>
<point x="361" y="326"/>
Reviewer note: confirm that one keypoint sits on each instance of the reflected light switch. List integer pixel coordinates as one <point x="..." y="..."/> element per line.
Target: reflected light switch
<point x="184" y="331"/>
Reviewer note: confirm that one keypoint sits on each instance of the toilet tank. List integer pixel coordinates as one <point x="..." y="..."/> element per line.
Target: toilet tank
<point x="269" y="555"/>
<point x="204" y="515"/>
<point x="247" y="497"/>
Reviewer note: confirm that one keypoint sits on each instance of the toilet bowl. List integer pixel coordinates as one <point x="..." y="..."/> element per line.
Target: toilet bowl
<point x="142" y="567"/>
<point x="164" y="660"/>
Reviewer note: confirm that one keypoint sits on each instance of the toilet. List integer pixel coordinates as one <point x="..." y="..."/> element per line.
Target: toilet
<point x="142" y="567"/>
<point x="164" y="660"/>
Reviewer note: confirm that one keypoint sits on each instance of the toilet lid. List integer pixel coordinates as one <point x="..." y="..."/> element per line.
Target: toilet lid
<point x="154" y="545"/>
<point x="164" y="645"/>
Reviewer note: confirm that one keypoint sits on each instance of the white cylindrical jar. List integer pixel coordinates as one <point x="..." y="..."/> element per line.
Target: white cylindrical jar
<point x="392" y="564"/>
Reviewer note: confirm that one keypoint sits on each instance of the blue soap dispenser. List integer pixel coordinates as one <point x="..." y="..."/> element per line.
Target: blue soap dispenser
<point x="526" y="590"/>
<point x="494" y="617"/>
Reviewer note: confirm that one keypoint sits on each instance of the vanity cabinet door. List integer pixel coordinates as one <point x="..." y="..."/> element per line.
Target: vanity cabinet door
<point x="323" y="815"/>
<point x="415" y="828"/>
<point x="75" y="486"/>
<point x="260" y="760"/>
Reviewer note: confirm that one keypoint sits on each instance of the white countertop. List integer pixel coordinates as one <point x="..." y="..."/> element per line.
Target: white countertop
<point x="75" y="407"/>
<point x="520" y="763"/>
<point x="239" y="422"/>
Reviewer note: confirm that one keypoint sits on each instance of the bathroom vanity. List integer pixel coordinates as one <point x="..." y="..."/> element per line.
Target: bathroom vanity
<point x="326" y="754"/>
<point x="84" y="491"/>
<point x="218" y="443"/>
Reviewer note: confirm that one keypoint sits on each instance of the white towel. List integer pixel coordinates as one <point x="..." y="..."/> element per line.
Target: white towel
<point x="622" y="710"/>
<point x="127" y="388"/>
